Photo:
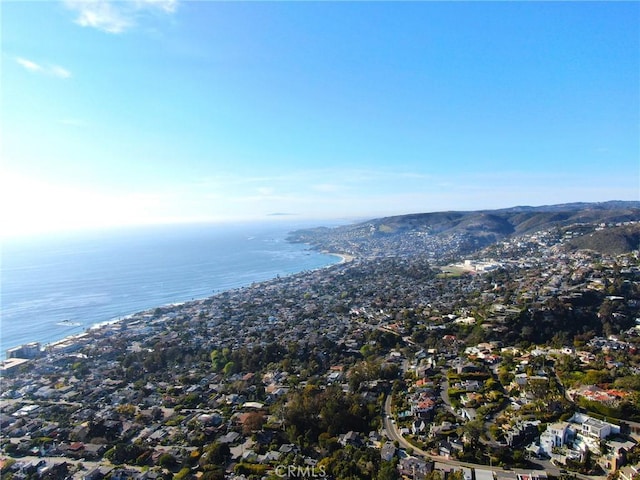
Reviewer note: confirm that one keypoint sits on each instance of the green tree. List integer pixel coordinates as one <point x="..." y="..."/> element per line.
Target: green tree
<point x="228" y="369"/>
<point x="388" y="471"/>
<point x="168" y="461"/>
<point x="183" y="474"/>
<point x="217" y="454"/>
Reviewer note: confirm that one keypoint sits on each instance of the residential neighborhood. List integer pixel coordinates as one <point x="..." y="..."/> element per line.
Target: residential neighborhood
<point x="520" y="361"/>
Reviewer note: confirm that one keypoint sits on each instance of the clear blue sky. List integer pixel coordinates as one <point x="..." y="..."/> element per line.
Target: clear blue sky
<point x="123" y="112"/>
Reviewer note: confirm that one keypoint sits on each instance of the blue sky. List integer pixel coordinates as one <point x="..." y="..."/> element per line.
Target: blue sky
<point x="155" y="111"/>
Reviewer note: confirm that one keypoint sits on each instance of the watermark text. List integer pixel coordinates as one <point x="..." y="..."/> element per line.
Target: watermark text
<point x="299" y="471"/>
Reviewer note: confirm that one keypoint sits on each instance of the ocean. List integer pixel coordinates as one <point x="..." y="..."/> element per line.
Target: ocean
<point x="57" y="286"/>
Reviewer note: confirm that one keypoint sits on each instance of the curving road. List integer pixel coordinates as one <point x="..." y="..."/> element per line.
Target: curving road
<point x="394" y="435"/>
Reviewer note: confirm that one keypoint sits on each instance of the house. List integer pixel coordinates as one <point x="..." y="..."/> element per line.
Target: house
<point x="264" y="437"/>
<point x="94" y="450"/>
<point x="630" y="472"/>
<point x="288" y="448"/>
<point x="555" y="436"/>
<point x="29" y="468"/>
<point x="467" y="368"/>
<point x="423" y="407"/>
<point x="448" y="448"/>
<point x="76" y="447"/>
<point x="418" y="426"/>
<point x="483" y="474"/>
<point x="532" y="476"/>
<point x="415" y="468"/>
<point x="394" y="356"/>
<point x="79" y="432"/>
<point x="96" y="474"/>
<point x="54" y="470"/>
<point x="235" y="399"/>
<point x="466" y="473"/>
<point x="468" y="413"/>
<point x="250" y="456"/>
<point x="229" y="438"/>
<point x="522" y="434"/>
<point x="375" y="437"/>
<point x="504" y="475"/>
<point x="388" y="451"/>
<point x="443" y="428"/>
<point x="616" y="455"/>
<point x="594" y="428"/>
<point x="124" y="474"/>
<point x="471" y="385"/>
<point x="350" y="438"/>
<point x="270" y="456"/>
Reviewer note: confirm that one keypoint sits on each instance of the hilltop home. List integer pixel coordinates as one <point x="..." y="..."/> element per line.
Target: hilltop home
<point x="592" y="427"/>
<point x="557" y="435"/>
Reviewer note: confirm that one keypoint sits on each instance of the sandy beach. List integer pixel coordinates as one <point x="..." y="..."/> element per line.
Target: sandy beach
<point x="344" y="257"/>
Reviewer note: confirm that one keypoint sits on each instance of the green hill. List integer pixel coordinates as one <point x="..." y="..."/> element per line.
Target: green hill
<point x="613" y="241"/>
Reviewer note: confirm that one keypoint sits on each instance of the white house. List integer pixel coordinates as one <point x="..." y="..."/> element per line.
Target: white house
<point x="594" y="428"/>
<point x="555" y="436"/>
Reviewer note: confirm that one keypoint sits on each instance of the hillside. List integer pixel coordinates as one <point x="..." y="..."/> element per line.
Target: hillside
<point x="458" y="233"/>
<point x="612" y="241"/>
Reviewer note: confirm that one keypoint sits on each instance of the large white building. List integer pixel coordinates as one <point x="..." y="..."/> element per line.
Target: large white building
<point x="580" y="428"/>
<point x="594" y="428"/>
<point x="557" y="435"/>
<point x="28" y="350"/>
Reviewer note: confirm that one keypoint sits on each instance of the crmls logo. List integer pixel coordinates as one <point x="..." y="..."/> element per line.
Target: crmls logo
<point x="297" y="471"/>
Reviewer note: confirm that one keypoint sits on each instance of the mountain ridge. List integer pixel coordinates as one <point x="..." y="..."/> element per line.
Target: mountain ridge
<point x="463" y="231"/>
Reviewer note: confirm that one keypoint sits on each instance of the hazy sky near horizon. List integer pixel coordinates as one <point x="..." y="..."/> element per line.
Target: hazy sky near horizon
<point x="152" y="111"/>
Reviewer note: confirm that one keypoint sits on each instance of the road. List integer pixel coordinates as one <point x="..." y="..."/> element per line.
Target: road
<point x="444" y="394"/>
<point x="394" y="434"/>
<point x="79" y="467"/>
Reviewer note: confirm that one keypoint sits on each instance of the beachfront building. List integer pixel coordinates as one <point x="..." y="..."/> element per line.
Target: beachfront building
<point x="11" y="365"/>
<point x="28" y="350"/>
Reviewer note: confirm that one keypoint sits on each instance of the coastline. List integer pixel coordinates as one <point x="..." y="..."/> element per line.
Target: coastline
<point x="344" y="257"/>
<point x="140" y="315"/>
<point x="76" y="339"/>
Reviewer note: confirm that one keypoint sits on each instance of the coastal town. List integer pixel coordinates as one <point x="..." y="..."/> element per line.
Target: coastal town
<point x="517" y="361"/>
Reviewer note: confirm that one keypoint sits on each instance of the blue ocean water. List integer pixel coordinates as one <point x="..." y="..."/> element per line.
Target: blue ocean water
<point x="58" y="286"/>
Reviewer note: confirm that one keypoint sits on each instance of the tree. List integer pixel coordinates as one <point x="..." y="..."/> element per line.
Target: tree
<point x="253" y="422"/>
<point x="388" y="471"/>
<point x="217" y="454"/>
<point x="124" y="453"/>
<point x="473" y="429"/>
<point x="168" y="461"/>
<point x="214" y="474"/>
<point x="539" y="387"/>
<point x="183" y="474"/>
<point x="229" y="368"/>
<point x="434" y="475"/>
